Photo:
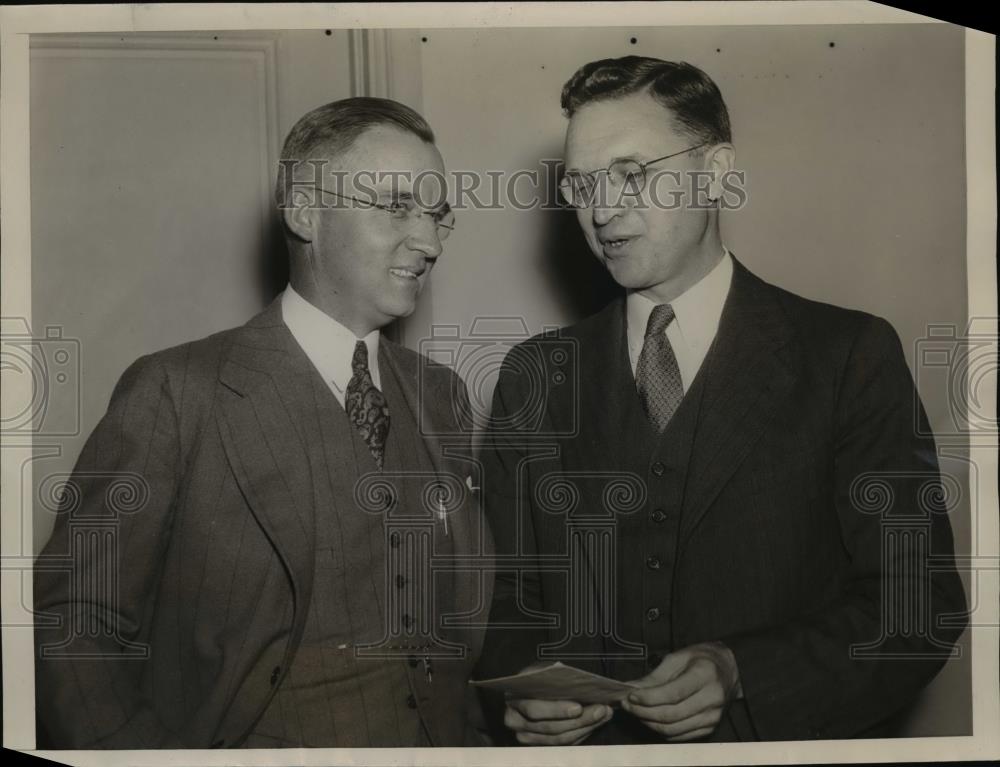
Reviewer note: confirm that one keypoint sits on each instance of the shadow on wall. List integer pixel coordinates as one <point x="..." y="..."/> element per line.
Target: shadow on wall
<point x="576" y="280"/>
<point x="272" y="261"/>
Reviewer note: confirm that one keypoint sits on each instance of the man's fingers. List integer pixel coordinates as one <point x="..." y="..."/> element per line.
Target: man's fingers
<point x="707" y="698"/>
<point x="704" y="720"/>
<point x="543" y="710"/>
<point x="697" y="676"/>
<point x="567" y="738"/>
<point x="591" y="717"/>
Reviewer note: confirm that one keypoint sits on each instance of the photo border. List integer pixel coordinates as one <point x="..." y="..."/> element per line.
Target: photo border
<point x="17" y="23"/>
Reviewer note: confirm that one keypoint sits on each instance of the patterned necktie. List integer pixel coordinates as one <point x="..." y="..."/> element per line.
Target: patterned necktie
<point x="657" y="375"/>
<point x="366" y="405"/>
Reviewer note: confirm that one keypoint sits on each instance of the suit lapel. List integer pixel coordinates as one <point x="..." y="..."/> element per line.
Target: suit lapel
<point x="268" y="382"/>
<point x="607" y="388"/>
<point x="747" y="376"/>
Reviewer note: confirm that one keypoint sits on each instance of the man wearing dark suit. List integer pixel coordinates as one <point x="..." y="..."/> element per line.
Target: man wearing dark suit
<point x="750" y="588"/>
<point x="272" y="586"/>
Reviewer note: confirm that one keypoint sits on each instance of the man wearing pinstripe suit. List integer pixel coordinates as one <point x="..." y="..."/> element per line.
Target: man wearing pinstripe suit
<point x="274" y="589"/>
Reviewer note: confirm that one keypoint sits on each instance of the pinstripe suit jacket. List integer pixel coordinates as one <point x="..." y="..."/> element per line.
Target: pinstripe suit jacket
<point x="179" y="649"/>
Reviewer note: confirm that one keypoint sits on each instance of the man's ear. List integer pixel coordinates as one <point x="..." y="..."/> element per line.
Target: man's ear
<point x="721" y="159"/>
<point x="300" y="215"/>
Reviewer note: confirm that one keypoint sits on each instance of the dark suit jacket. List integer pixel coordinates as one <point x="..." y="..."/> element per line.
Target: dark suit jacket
<point x="218" y="432"/>
<point x="777" y="553"/>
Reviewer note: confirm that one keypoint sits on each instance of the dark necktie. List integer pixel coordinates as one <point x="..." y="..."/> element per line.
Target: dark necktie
<point x="366" y="405"/>
<point x="656" y="375"/>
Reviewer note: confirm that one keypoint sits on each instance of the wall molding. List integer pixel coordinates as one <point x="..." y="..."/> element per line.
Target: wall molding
<point x="387" y="63"/>
<point x="371" y="63"/>
<point x="258" y="49"/>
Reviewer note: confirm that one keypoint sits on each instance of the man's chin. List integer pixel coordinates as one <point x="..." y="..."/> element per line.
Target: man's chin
<point x="397" y="311"/>
<point x="627" y="275"/>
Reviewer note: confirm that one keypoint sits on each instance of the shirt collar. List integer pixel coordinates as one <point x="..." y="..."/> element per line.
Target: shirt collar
<point x="697" y="310"/>
<point x="328" y="344"/>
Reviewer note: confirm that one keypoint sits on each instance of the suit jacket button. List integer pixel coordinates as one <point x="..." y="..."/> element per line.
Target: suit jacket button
<point x="653" y="614"/>
<point x="658" y="516"/>
<point x="275" y="673"/>
<point x="658" y="469"/>
<point x="653" y="563"/>
<point x="411" y="701"/>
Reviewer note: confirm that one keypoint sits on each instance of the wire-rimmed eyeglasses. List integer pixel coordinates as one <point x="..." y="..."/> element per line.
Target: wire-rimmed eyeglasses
<point x="405" y="211"/>
<point x="577" y="187"/>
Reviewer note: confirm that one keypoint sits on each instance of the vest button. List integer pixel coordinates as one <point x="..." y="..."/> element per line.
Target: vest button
<point x="275" y="673"/>
<point x="400" y="581"/>
<point x="411" y="701"/>
<point x="658" y="469"/>
<point x="658" y="516"/>
<point x="653" y="614"/>
<point x="412" y="660"/>
<point x="653" y="563"/>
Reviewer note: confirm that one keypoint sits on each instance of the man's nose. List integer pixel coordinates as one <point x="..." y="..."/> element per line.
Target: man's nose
<point x="602" y="213"/>
<point x="424" y="238"/>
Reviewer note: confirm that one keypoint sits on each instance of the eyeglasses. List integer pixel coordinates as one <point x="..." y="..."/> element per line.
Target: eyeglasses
<point x="578" y="187"/>
<point x="405" y="211"/>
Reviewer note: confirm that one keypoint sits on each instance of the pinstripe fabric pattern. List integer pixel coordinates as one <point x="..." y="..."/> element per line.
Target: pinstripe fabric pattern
<point x="218" y="564"/>
<point x="331" y="697"/>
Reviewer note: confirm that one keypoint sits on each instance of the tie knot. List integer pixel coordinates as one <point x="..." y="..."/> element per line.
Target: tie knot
<point x="661" y="316"/>
<point x="359" y="360"/>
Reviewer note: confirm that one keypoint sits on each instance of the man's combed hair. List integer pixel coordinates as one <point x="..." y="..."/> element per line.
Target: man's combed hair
<point x="331" y="129"/>
<point x="691" y="96"/>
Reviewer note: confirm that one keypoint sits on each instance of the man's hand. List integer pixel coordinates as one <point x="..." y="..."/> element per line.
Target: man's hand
<point x="683" y="698"/>
<point x="553" y="722"/>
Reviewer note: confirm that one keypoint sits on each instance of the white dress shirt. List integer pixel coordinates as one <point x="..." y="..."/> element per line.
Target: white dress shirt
<point x="696" y="320"/>
<point x="328" y="344"/>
